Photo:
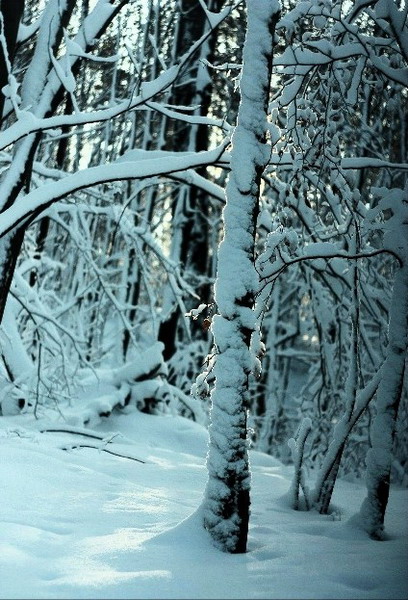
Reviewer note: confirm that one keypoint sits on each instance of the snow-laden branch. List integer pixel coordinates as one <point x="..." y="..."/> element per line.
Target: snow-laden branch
<point x="281" y="264"/>
<point x="29" y="123"/>
<point x="286" y="159"/>
<point x="322" y="52"/>
<point x="38" y="200"/>
<point x="91" y="29"/>
<point x="33" y="121"/>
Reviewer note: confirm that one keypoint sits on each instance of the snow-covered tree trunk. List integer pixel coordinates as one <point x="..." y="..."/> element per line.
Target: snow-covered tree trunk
<point x="227" y="500"/>
<point x="380" y="455"/>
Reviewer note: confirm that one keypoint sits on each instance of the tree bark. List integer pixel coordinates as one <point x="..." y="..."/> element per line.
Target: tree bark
<point x="227" y="499"/>
<point x="193" y="250"/>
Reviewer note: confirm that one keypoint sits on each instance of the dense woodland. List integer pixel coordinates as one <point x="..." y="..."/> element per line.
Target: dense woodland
<point x="204" y="206"/>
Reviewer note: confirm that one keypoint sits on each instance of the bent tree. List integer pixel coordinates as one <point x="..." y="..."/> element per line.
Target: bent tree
<point x="227" y="500"/>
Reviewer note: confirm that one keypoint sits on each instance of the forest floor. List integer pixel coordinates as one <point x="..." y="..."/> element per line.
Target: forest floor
<point x="82" y="523"/>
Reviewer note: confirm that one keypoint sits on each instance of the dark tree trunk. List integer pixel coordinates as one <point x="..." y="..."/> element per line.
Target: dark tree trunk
<point x="10" y="245"/>
<point x="12" y="11"/>
<point x="194" y="248"/>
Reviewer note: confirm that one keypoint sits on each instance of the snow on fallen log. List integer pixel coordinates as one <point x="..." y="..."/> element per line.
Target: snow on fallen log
<point x="141" y="382"/>
<point x="147" y="365"/>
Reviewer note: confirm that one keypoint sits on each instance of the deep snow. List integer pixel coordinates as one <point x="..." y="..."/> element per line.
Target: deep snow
<point x="82" y="523"/>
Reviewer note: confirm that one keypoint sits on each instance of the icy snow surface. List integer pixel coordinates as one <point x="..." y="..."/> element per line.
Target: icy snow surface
<point x="82" y="523"/>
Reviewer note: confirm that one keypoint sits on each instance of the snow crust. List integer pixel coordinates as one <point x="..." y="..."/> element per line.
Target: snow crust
<point x="85" y="524"/>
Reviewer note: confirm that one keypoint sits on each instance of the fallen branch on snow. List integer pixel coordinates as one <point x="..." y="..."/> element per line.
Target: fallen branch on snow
<point x="73" y="447"/>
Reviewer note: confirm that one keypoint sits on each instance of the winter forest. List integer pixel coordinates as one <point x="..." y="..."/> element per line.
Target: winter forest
<point x="203" y="298"/>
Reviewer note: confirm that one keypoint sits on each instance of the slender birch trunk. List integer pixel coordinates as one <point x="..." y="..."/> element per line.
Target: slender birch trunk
<point x="324" y="493"/>
<point x="227" y="500"/>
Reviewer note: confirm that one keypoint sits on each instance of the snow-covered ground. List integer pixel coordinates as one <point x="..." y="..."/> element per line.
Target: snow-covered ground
<point x="82" y="523"/>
